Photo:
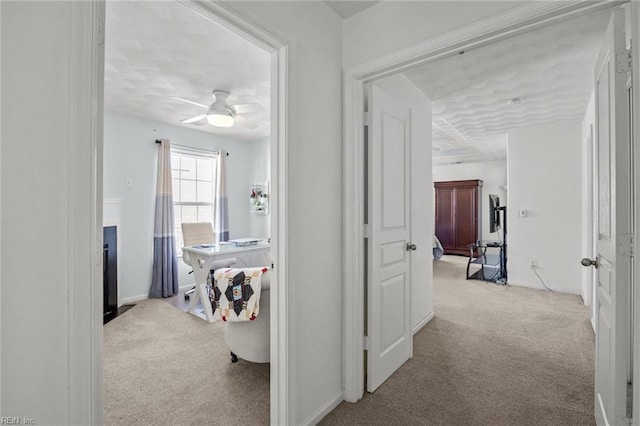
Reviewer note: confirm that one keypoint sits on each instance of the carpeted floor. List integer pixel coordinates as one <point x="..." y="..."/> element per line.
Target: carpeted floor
<point x="166" y="367"/>
<point x="492" y="356"/>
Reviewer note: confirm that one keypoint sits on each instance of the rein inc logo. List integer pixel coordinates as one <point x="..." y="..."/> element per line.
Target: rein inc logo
<point x="17" y="421"/>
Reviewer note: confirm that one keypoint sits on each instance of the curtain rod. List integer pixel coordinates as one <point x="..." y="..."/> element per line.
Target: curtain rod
<point x="159" y="141"/>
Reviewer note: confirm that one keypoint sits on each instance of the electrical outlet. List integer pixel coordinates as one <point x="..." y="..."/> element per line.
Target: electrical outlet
<point x="533" y="263"/>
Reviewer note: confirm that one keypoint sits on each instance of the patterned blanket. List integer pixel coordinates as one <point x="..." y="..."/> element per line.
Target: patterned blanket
<point x="235" y="295"/>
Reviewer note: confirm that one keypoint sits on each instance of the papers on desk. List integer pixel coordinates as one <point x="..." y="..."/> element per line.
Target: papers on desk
<point x="242" y="242"/>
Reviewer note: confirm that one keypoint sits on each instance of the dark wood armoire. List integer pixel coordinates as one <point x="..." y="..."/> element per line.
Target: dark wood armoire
<point x="458" y="214"/>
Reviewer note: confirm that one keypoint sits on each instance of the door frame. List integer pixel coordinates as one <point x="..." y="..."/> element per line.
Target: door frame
<point x="500" y="27"/>
<point x="634" y="22"/>
<point x="85" y="196"/>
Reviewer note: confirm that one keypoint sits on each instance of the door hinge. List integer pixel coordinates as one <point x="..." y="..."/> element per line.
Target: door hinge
<point x="629" y="400"/>
<point x="365" y="343"/>
<point x="623" y="61"/>
<point x="100" y="31"/>
<point x="366" y="230"/>
<point x="366" y="118"/>
<point x="625" y="245"/>
<point x="100" y="246"/>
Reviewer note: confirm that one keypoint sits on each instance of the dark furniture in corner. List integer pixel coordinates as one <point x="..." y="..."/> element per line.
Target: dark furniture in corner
<point x="458" y="214"/>
<point x="491" y="258"/>
<point x="110" y="273"/>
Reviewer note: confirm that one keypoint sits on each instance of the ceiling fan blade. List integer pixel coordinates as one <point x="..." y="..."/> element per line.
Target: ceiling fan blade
<point x="250" y="124"/>
<point x="245" y="108"/>
<point x="189" y="102"/>
<point x="192" y="120"/>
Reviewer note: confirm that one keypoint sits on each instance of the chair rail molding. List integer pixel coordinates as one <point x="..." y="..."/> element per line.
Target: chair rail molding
<point x="504" y="25"/>
<point x="112" y="201"/>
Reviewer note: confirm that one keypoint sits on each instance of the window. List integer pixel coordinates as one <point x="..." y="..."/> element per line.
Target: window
<point x="193" y="172"/>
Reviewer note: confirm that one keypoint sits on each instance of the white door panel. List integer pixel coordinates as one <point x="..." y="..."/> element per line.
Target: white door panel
<point x="389" y="265"/>
<point x="612" y="221"/>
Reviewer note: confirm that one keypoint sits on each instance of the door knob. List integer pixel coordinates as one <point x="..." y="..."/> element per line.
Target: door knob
<point x="411" y="247"/>
<point x="589" y="262"/>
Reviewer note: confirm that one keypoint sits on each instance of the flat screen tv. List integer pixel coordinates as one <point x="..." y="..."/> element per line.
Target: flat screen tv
<point x="494" y="213"/>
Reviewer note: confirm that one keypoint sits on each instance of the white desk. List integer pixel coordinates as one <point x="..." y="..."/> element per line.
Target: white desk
<point x="201" y="258"/>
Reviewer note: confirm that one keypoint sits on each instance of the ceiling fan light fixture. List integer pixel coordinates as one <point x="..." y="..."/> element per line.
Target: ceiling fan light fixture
<point x="220" y="119"/>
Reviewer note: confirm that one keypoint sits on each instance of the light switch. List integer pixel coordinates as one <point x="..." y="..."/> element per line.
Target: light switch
<point x="522" y="213"/>
<point x="128" y="182"/>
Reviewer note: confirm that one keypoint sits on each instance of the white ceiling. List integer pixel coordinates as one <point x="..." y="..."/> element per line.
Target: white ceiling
<point x="155" y="50"/>
<point x="346" y="9"/>
<point x="551" y="68"/>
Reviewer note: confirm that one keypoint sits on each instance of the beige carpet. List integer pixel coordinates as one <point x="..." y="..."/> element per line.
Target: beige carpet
<point x="166" y="367"/>
<point x="492" y="356"/>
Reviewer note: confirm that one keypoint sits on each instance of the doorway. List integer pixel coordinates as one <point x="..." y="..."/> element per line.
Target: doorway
<point x="221" y="15"/>
<point x="357" y="77"/>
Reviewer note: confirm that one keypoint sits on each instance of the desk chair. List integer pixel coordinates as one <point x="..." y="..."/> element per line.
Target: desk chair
<point x="201" y="233"/>
<point x="250" y="340"/>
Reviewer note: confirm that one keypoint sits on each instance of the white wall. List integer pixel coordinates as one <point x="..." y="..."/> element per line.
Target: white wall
<point x="0" y="213"/>
<point x="314" y="247"/>
<point x="35" y="130"/>
<point x="544" y="175"/>
<point x="494" y="181"/>
<point x="393" y="25"/>
<point x="35" y="62"/>
<point x="406" y="92"/>
<point x="130" y="152"/>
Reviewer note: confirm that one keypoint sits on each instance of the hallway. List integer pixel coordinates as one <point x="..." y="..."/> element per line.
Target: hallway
<point x="491" y="356"/>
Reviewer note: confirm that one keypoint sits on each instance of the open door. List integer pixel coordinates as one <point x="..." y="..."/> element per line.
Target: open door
<point x="613" y="243"/>
<point x="389" y="248"/>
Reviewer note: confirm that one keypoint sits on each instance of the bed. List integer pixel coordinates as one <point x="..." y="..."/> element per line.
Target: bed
<point x="438" y="251"/>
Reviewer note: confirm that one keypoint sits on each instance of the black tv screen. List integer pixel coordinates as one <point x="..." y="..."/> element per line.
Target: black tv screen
<point x="494" y="214"/>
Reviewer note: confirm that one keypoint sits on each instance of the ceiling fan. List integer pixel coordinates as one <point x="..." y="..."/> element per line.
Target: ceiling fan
<point x="221" y="113"/>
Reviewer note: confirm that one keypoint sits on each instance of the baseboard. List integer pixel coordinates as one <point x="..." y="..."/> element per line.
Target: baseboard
<point x="324" y="410"/>
<point x="556" y="290"/>
<point x="423" y="322"/>
<point x="186" y="287"/>
<point x="133" y="299"/>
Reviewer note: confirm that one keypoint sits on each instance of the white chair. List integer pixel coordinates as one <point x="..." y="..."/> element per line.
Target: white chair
<point x="250" y="340"/>
<point x="201" y="233"/>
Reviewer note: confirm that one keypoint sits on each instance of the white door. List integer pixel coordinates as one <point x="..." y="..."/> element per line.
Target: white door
<point x="389" y="247"/>
<point x="613" y="260"/>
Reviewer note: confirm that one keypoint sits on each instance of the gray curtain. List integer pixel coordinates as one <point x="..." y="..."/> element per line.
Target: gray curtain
<point x="221" y="202"/>
<point x="165" y="261"/>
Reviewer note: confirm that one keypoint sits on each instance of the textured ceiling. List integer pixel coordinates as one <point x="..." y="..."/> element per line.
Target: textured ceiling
<point x="155" y="50"/>
<point x="551" y="68"/>
<point x="346" y="9"/>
